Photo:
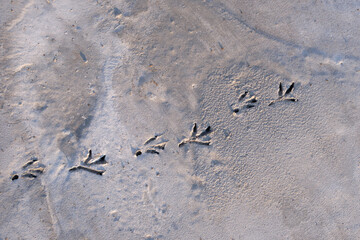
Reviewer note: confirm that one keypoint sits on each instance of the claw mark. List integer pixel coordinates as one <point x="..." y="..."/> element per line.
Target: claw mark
<point x="204" y="133"/>
<point x="152" y="151"/>
<point x="194" y="137"/>
<point x="90" y="160"/>
<point x="194" y="130"/>
<point x="251" y="100"/>
<point x="290" y="89"/>
<point x="183" y="142"/>
<point x="88" y="157"/>
<point x="249" y="106"/>
<point x="28" y="175"/>
<point x="242" y="96"/>
<point x="283" y="96"/>
<point x="32" y="161"/>
<point x="152" y="139"/>
<point x="291" y="99"/>
<point x="280" y="92"/>
<point x="37" y="170"/>
<point x="99" y="160"/>
<point x="160" y="146"/>
<point x="200" y="142"/>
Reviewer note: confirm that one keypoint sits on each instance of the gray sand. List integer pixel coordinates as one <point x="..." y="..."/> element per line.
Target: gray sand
<point x="110" y="75"/>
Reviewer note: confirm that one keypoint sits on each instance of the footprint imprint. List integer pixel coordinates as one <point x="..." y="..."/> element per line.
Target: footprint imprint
<point x="246" y="101"/>
<point x="284" y="96"/>
<point x="153" y="149"/>
<point x="89" y="161"/>
<point x="32" y="169"/>
<point x="194" y="137"/>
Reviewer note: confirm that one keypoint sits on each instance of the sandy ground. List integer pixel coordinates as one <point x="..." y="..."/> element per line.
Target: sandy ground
<point x="109" y="75"/>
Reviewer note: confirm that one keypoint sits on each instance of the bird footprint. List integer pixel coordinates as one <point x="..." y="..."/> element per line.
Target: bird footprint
<point x="32" y="169"/>
<point x="89" y="161"/>
<point x="194" y="137"/>
<point x="284" y="96"/>
<point x="246" y="100"/>
<point x="154" y="149"/>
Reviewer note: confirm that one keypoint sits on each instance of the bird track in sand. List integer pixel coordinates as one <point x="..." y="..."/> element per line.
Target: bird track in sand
<point x="153" y="149"/>
<point x="89" y="161"/>
<point x="32" y="169"/>
<point x="194" y="137"/>
<point x="284" y="96"/>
